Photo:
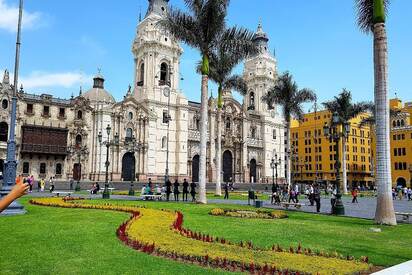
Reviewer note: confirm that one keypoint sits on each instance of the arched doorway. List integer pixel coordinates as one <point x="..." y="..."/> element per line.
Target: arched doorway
<point x="77" y="171"/>
<point x="128" y="167"/>
<point x="195" y="168"/>
<point x="253" y="171"/>
<point x="401" y="182"/>
<point x="227" y="166"/>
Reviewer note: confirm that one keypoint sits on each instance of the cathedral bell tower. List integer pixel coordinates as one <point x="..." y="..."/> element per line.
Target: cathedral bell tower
<point x="260" y="73"/>
<point x="156" y="55"/>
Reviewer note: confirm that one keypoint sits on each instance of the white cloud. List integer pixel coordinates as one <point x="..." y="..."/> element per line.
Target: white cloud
<point x="9" y="17"/>
<point x="41" y="80"/>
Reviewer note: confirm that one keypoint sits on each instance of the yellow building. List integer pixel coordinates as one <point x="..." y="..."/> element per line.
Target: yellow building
<point x="313" y="155"/>
<point x="401" y="143"/>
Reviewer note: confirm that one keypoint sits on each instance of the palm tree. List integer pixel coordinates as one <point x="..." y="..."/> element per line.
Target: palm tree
<point x="346" y="110"/>
<point x="202" y="28"/>
<point x="286" y="93"/>
<point x="222" y="62"/>
<point x="371" y="18"/>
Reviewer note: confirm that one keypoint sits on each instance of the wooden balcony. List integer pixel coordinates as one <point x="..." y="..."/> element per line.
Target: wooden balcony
<point x="44" y="149"/>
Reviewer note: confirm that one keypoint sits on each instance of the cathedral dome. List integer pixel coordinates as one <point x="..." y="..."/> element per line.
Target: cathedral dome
<point x="98" y="93"/>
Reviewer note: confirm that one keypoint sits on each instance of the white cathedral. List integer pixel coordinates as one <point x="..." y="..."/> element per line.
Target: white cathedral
<point x="66" y="138"/>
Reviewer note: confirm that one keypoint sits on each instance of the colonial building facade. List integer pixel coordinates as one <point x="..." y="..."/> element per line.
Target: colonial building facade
<point x="154" y="128"/>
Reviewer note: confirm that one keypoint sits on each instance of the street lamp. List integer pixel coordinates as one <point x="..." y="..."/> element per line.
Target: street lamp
<point x="167" y="119"/>
<point x="11" y="163"/>
<point x="108" y="143"/>
<point x="332" y="131"/>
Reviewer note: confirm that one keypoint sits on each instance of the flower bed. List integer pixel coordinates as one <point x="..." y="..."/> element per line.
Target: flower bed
<point x="161" y="233"/>
<point x="250" y="214"/>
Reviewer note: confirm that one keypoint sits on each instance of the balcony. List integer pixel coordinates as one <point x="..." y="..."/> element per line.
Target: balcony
<point x="44" y="149"/>
<point x="164" y="83"/>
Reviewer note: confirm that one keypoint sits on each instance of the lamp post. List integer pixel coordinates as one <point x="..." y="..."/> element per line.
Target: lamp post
<point x="166" y="93"/>
<point x="167" y="119"/>
<point x="108" y="143"/>
<point x="332" y="131"/>
<point x="11" y="163"/>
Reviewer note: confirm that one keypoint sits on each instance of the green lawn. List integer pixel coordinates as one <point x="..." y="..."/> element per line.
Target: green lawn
<point x="77" y="241"/>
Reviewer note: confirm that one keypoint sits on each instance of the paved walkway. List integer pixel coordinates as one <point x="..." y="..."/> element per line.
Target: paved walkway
<point x="364" y="209"/>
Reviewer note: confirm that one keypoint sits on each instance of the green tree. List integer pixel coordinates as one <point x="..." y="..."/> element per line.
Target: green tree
<point x="286" y="93"/>
<point x="201" y="28"/>
<point x="371" y="19"/>
<point x="222" y="62"/>
<point x="346" y="110"/>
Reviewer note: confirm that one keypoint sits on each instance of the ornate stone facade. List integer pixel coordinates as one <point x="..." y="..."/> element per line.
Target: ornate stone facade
<point x="148" y="144"/>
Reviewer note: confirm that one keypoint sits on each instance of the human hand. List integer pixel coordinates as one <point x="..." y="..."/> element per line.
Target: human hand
<point x="19" y="190"/>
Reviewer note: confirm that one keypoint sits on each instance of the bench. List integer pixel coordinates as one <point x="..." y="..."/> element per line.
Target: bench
<point x="405" y="216"/>
<point x="111" y="189"/>
<point x="152" y="197"/>
<point x="287" y="204"/>
<point x="62" y="192"/>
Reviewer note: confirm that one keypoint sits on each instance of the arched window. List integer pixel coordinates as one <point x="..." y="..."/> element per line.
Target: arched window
<point x="4" y="103"/>
<point x="42" y="168"/>
<point x="164" y="141"/>
<point x="129" y="133"/>
<point x="228" y="124"/>
<point x="252" y="100"/>
<point x="394" y="123"/>
<point x="274" y="133"/>
<point x="164" y="77"/>
<point x="79" y="114"/>
<point x="398" y="123"/>
<point x="197" y="123"/>
<point x="4" y="130"/>
<point x="253" y="132"/>
<point x="141" y="77"/>
<point x="130" y="115"/>
<point x="26" y="168"/>
<point x="58" y="169"/>
<point x="402" y="122"/>
<point x="78" y="140"/>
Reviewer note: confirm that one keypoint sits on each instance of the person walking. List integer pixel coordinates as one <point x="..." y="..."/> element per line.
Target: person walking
<point x="311" y="195"/>
<point x="176" y="190"/>
<point x="193" y="191"/>
<point x="409" y="194"/>
<point x="42" y="185"/>
<point x="71" y="183"/>
<point x="274" y="193"/>
<point x="226" y="191"/>
<point x="30" y="182"/>
<point x="38" y="186"/>
<point x="316" y="197"/>
<point x="185" y="189"/>
<point x="51" y="182"/>
<point x="354" y="195"/>
<point x="296" y="193"/>
<point x="168" y="189"/>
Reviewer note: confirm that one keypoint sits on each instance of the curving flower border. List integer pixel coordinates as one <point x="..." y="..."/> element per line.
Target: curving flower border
<point x="125" y="234"/>
<point x="246" y="214"/>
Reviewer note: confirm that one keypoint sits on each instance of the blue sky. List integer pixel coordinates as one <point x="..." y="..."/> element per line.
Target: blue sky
<point x="64" y="42"/>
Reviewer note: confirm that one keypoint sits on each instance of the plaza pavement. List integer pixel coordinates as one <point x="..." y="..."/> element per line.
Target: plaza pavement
<point x="364" y="209"/>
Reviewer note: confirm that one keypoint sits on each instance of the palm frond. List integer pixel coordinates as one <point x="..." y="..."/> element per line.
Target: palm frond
<point x="182" y="26"/>
<point x="236" y="82"/>
<point x="286" y="93"/>
<point x="365" y="13"/>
